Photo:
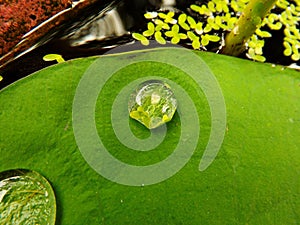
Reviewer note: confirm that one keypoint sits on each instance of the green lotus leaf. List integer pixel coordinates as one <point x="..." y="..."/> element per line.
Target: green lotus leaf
<point x="253" y="180"/>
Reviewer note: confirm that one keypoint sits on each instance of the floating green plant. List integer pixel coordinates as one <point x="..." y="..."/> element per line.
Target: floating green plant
<point x="220" y="17"/>
<point x="168" y="18"/>
<point x="175" y="35"/>
<point x="53" y="57"/>
<point x="141" y="38"/>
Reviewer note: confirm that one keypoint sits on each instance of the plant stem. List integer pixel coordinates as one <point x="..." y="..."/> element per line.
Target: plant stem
<point x="249" y="21"/>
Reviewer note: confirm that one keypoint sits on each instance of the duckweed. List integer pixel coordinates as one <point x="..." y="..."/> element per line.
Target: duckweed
<point x="175" y="35"/>
<point x="220" y="17"/>
<point x="140" y="38"/>
<point x="53" y="57"/>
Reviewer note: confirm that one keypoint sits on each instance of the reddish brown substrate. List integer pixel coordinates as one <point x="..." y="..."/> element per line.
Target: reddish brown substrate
<point x="17" y="17"/>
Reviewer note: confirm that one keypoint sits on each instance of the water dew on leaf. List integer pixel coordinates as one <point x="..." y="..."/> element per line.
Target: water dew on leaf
<point x="25" y="196"/>
<point x="153" y="104"/>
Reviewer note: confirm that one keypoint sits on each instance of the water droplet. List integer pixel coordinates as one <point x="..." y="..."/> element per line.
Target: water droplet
<point x="153" y="103"/>
<point x="26" y="195"/>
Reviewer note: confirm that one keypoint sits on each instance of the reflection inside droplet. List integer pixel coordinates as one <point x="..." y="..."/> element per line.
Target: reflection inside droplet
<point x="153" y="103"/>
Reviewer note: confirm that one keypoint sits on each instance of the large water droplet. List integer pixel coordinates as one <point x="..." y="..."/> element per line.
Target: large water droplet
<point x="26" y="197"/>
<point x="153" y="103"/>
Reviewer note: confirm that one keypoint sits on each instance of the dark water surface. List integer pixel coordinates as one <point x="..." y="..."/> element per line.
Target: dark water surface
<point x="100" y="28"/>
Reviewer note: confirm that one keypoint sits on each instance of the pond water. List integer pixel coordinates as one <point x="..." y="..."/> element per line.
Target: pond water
<point x="95" y="30"/>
